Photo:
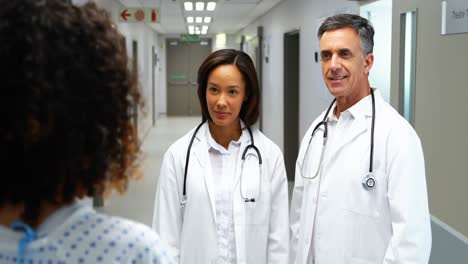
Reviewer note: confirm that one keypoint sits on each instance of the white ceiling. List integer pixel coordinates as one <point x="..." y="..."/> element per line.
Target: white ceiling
<point x="229" y="16"/>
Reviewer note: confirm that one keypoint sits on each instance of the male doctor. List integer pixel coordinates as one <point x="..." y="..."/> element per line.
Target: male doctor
<point x="360" y="190"/>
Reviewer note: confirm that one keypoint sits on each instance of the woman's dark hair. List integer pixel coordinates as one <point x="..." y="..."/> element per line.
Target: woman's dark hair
<point x="250" y="108"/>
<point x="66" y="127"/>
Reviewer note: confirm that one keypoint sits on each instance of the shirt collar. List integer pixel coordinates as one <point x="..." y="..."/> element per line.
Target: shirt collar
<point x="212" y="144"/>
<point x="55" y="220"/>
<point x="362" y="108"/>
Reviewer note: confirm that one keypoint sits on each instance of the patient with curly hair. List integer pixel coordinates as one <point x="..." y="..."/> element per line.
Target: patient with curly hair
<point x="66" y="133"/>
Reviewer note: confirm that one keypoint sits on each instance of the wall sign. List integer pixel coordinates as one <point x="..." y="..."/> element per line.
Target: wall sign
<point x="454" y="17"/>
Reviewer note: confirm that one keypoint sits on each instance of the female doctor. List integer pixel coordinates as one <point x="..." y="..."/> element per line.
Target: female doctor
<point x="222" y="194"/>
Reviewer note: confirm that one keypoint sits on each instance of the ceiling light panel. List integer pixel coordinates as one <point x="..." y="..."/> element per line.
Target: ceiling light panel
<point x="207" y="20"/>
<point x="188" y="6"/>
<point x="211" y="6"/>
<point x="199" y="6"/>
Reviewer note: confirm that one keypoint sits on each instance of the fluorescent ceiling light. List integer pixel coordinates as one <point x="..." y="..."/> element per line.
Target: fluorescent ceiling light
<point x="204" y="28"/>
<point x="188" y="6"/>
<point x="191" y="28"/>
<point x="220" y="41"/>
<point x="191" y="32"/>
<point x="198" y="19"/>
<point x="199" y="6"/>
<point x="189" y="19"/>
<point x="211" y="6"/>
<point x="207" y="20"/>
<point x="197" y="28"/>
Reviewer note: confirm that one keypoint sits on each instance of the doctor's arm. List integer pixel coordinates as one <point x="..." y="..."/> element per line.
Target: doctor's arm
<point x="278" y="235"/>
<point x="295" y="212"/>
<point x="167" y="216"/>
<point x="407" y="197"/>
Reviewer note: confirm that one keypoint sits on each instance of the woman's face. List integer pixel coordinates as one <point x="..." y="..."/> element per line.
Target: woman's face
<point x="225" y="94"/>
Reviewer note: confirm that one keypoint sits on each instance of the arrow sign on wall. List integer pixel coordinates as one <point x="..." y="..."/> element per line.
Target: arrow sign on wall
<point x="124" y="14"/>
<point x="139" y="14"/>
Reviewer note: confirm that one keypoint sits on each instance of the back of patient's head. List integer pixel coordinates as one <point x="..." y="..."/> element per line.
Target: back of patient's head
<point x="66" y="95"/>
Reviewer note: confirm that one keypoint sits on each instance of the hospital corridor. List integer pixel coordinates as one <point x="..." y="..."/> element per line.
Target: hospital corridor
<point x="234" y="88"/>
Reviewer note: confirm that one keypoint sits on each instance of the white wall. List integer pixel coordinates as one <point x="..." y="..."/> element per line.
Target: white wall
<point x="379" y="14"/>
<point x="146" y="38"/>
<point x="283" y="18"/>
<point x="289" y="15"/>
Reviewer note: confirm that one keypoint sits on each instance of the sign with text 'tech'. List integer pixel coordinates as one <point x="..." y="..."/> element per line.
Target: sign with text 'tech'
<point x="139" y="14"/>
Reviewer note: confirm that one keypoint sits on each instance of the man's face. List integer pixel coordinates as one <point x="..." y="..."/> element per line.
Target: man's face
<point x="345" y="68"/>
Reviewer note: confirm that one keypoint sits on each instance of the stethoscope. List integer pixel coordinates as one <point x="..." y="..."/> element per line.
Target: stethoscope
<point x="246" y="199"/>
<point x="368" y="182"/>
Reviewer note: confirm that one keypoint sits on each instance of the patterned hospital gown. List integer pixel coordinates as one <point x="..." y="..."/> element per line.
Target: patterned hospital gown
<point x="78" y="234"/>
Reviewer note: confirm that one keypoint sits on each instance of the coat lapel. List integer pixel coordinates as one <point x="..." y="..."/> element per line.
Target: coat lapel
<point x="203" y="158"/>
<point x="245" y="141"/>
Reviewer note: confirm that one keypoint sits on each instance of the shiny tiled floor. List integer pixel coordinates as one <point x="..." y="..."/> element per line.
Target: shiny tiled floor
<point x="138" y="202"/>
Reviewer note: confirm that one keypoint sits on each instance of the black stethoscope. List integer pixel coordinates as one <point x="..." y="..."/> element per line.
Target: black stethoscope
<point x="183" y="201"/>
<point x="368" y="182"/>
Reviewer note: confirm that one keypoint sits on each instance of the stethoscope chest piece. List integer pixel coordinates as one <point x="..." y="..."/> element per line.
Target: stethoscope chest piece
<point x="183" y="201"/>
<point x="368" y="182"/>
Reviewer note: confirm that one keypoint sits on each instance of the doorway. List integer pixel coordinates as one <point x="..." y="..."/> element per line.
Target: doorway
<point x="291" y="101"/>
<point x="183" y="60"/>
<point x="154" y="61"/>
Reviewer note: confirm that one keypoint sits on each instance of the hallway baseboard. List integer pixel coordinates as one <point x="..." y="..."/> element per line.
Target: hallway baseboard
<point x="448" y="245"/>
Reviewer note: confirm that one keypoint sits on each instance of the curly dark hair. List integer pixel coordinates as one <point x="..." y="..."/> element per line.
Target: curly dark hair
<point x="67" y="95"/>
<point x="250" y="109"/>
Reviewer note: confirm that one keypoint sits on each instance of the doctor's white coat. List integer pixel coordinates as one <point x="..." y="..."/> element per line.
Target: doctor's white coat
<point x="388" y="224"/>
<point x="261" y="228"/>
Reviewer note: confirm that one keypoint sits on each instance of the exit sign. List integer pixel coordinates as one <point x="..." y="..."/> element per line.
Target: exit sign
<point x="189" y="37"/>
<point x="139" y="14"/>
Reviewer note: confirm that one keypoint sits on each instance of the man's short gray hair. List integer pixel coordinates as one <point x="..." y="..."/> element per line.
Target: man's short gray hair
<point x="359" y="24"/>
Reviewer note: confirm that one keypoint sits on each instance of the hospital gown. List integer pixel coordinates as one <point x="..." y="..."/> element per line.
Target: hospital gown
<point x="78" y="234"/>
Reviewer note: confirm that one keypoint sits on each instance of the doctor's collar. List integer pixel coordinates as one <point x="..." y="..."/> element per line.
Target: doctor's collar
<point x="361" y="108"/>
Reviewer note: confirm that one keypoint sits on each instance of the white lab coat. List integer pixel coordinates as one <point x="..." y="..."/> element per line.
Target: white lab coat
<point x="261" y="228"/>
<point x="388" y="224"/>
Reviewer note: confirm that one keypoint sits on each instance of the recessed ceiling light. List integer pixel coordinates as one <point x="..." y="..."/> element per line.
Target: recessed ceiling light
<point x="199" y="6"/>
<point x="207" y="20"/>
<point x="188" y="6"/>
<point x="189" y="19"/>
<point x="211" y="6"/>
<point x="204" y="28"/>
<point x="198" y="19"/>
